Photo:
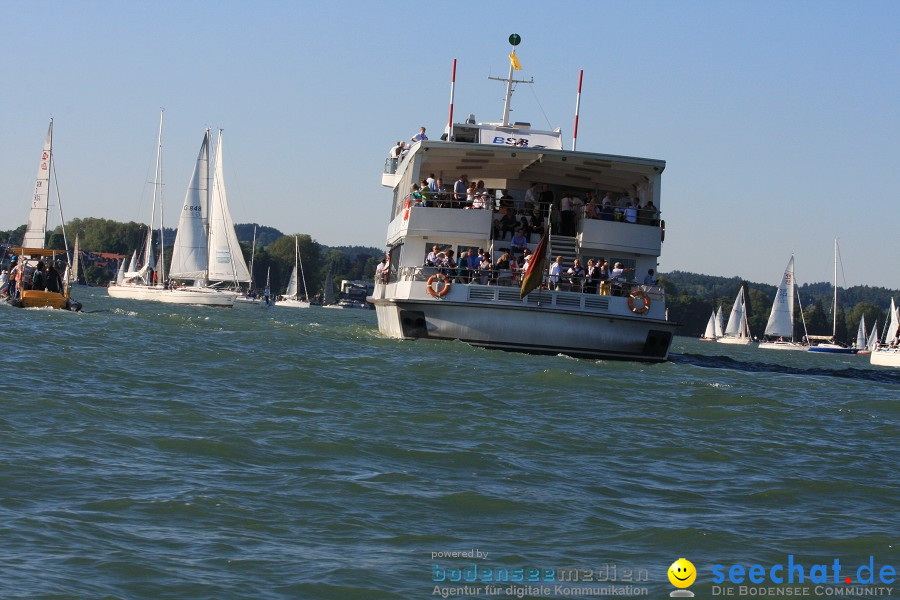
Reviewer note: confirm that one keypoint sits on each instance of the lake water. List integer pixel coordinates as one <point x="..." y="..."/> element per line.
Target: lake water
<point x="158" y="451"/>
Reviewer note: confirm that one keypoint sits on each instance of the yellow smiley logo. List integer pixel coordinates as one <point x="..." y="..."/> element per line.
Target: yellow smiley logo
<point x="682" y="573"/>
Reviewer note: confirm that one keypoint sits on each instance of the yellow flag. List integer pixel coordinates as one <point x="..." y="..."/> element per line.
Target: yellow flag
<point x="514" y="60"/>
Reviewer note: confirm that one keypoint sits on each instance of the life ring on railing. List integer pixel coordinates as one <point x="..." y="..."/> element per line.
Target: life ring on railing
<point x="645" y="302"/>
<point x="406" y="210"/>
<point x="430" y="287"/>
<point x="662" y="231"/>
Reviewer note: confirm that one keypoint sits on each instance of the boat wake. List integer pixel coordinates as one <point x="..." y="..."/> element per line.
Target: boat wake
<point x="726" y="362"/>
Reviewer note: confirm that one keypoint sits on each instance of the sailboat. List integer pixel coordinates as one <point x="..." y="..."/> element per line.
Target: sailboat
<point x="206" y="248"/>
<point x="872" y="340"/>
<point x="720" y="323"/>
<point x="781" y="320"/>
<point x="292" y="295"/>
<point x="54" y="291"/>
<point x="862" y="345"/>
<point x="328" y="292"/>
<point x="888" y="353"/>
<point x="75" y="273"/>
<point x="831" y="345"/>
<point x="267" y="300"/>
<point x="250" y="297"/>
<point x="710" y="334"/>
<point x="737" y="331"/>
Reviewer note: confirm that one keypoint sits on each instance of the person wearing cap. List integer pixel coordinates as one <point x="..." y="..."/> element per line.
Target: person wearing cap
<point x="420" y="137"/>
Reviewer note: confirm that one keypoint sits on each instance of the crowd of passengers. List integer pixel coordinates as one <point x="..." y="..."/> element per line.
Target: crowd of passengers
<point x="27" y="277"/>
<point x="476" y="266"/>
<point x="565" y="212"/>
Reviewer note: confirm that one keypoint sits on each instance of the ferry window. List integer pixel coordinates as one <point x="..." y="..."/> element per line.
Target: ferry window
<point x="394" y="253"/>
<point x="428" y="261"/>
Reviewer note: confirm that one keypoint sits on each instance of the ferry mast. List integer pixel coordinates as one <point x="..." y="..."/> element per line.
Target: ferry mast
<point x="515" y="39"/>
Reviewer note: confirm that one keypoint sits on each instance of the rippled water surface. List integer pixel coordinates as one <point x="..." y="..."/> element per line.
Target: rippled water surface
<point x="151" y="451"/>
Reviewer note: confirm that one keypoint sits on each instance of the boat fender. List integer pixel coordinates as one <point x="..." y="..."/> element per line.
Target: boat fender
<point x="406" y="210"/>
<point x="645" y="302"/>
<point x="430" y="287"/>
<point x="662" y="231"/>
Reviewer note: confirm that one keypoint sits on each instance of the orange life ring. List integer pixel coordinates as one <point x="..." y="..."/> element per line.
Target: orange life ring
<point x="662" y="231"/>
<point x="406" y="210"/>
<point x="645" y="302"/>
<point x="434" y="293"/>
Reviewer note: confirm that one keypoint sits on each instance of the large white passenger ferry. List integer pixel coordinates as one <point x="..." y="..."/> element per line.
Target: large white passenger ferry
<point x="615" y="218"/>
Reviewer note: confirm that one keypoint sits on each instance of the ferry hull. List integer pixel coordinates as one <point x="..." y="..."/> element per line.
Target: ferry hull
<point x="196" y="296"/>
<point x="531" y="330"/>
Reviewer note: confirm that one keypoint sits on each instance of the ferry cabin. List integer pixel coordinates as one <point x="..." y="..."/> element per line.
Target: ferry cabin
<point x="512" y="158"/>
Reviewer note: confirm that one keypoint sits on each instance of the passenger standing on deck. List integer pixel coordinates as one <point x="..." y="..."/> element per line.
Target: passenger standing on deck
<point x="4" y="284"/>
<point x="459" y="191"/>
<point x="37" y="280"/>
<point x="549" y="207"/>
<point x="420" y="137"/>
<point x="440" y="193"/>
<point x="555" y="270"/>
<point x="531" y="196"/>
<point x="52" y="280"/>
<point x="433" y="257"/>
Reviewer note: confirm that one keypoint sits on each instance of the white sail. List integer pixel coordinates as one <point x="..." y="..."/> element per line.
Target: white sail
<point x="720" y="323"/>
<point x="861" y="334"/>
<point x="120" y="275"/>
<point x="710" y="333"/>
<point x="872" y="342"/>
<point x="226" y="261"/>
<point x="781" y="319"/>
<point x="737" y="318"/>
<point x="132" y="270"/>
<point x="189" y="256"/>
<point x="36" y="232"/>
<point x="75" y="261"/>
<point x="894" y="325"/>
<point x="292" y="289"/>
<point x="328" y="292"/>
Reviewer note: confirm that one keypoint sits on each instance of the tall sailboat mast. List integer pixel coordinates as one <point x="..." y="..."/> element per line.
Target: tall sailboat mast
<point x="252" y="256"/>
<point x="157" y="196"/>
<point x="834" y="322"/>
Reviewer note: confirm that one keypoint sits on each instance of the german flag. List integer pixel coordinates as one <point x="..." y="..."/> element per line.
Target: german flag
<point x="536" y="268"/>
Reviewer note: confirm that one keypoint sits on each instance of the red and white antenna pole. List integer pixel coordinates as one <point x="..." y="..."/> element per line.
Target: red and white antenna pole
<point x="577" y="107"/>
<point x="452" y="86"/>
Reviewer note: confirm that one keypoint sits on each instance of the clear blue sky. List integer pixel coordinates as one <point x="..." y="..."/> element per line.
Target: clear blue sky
<point x="779" y="121"/>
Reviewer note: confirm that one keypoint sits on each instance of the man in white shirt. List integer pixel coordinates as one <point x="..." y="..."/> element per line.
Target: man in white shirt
<point x="555" y="270"/>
